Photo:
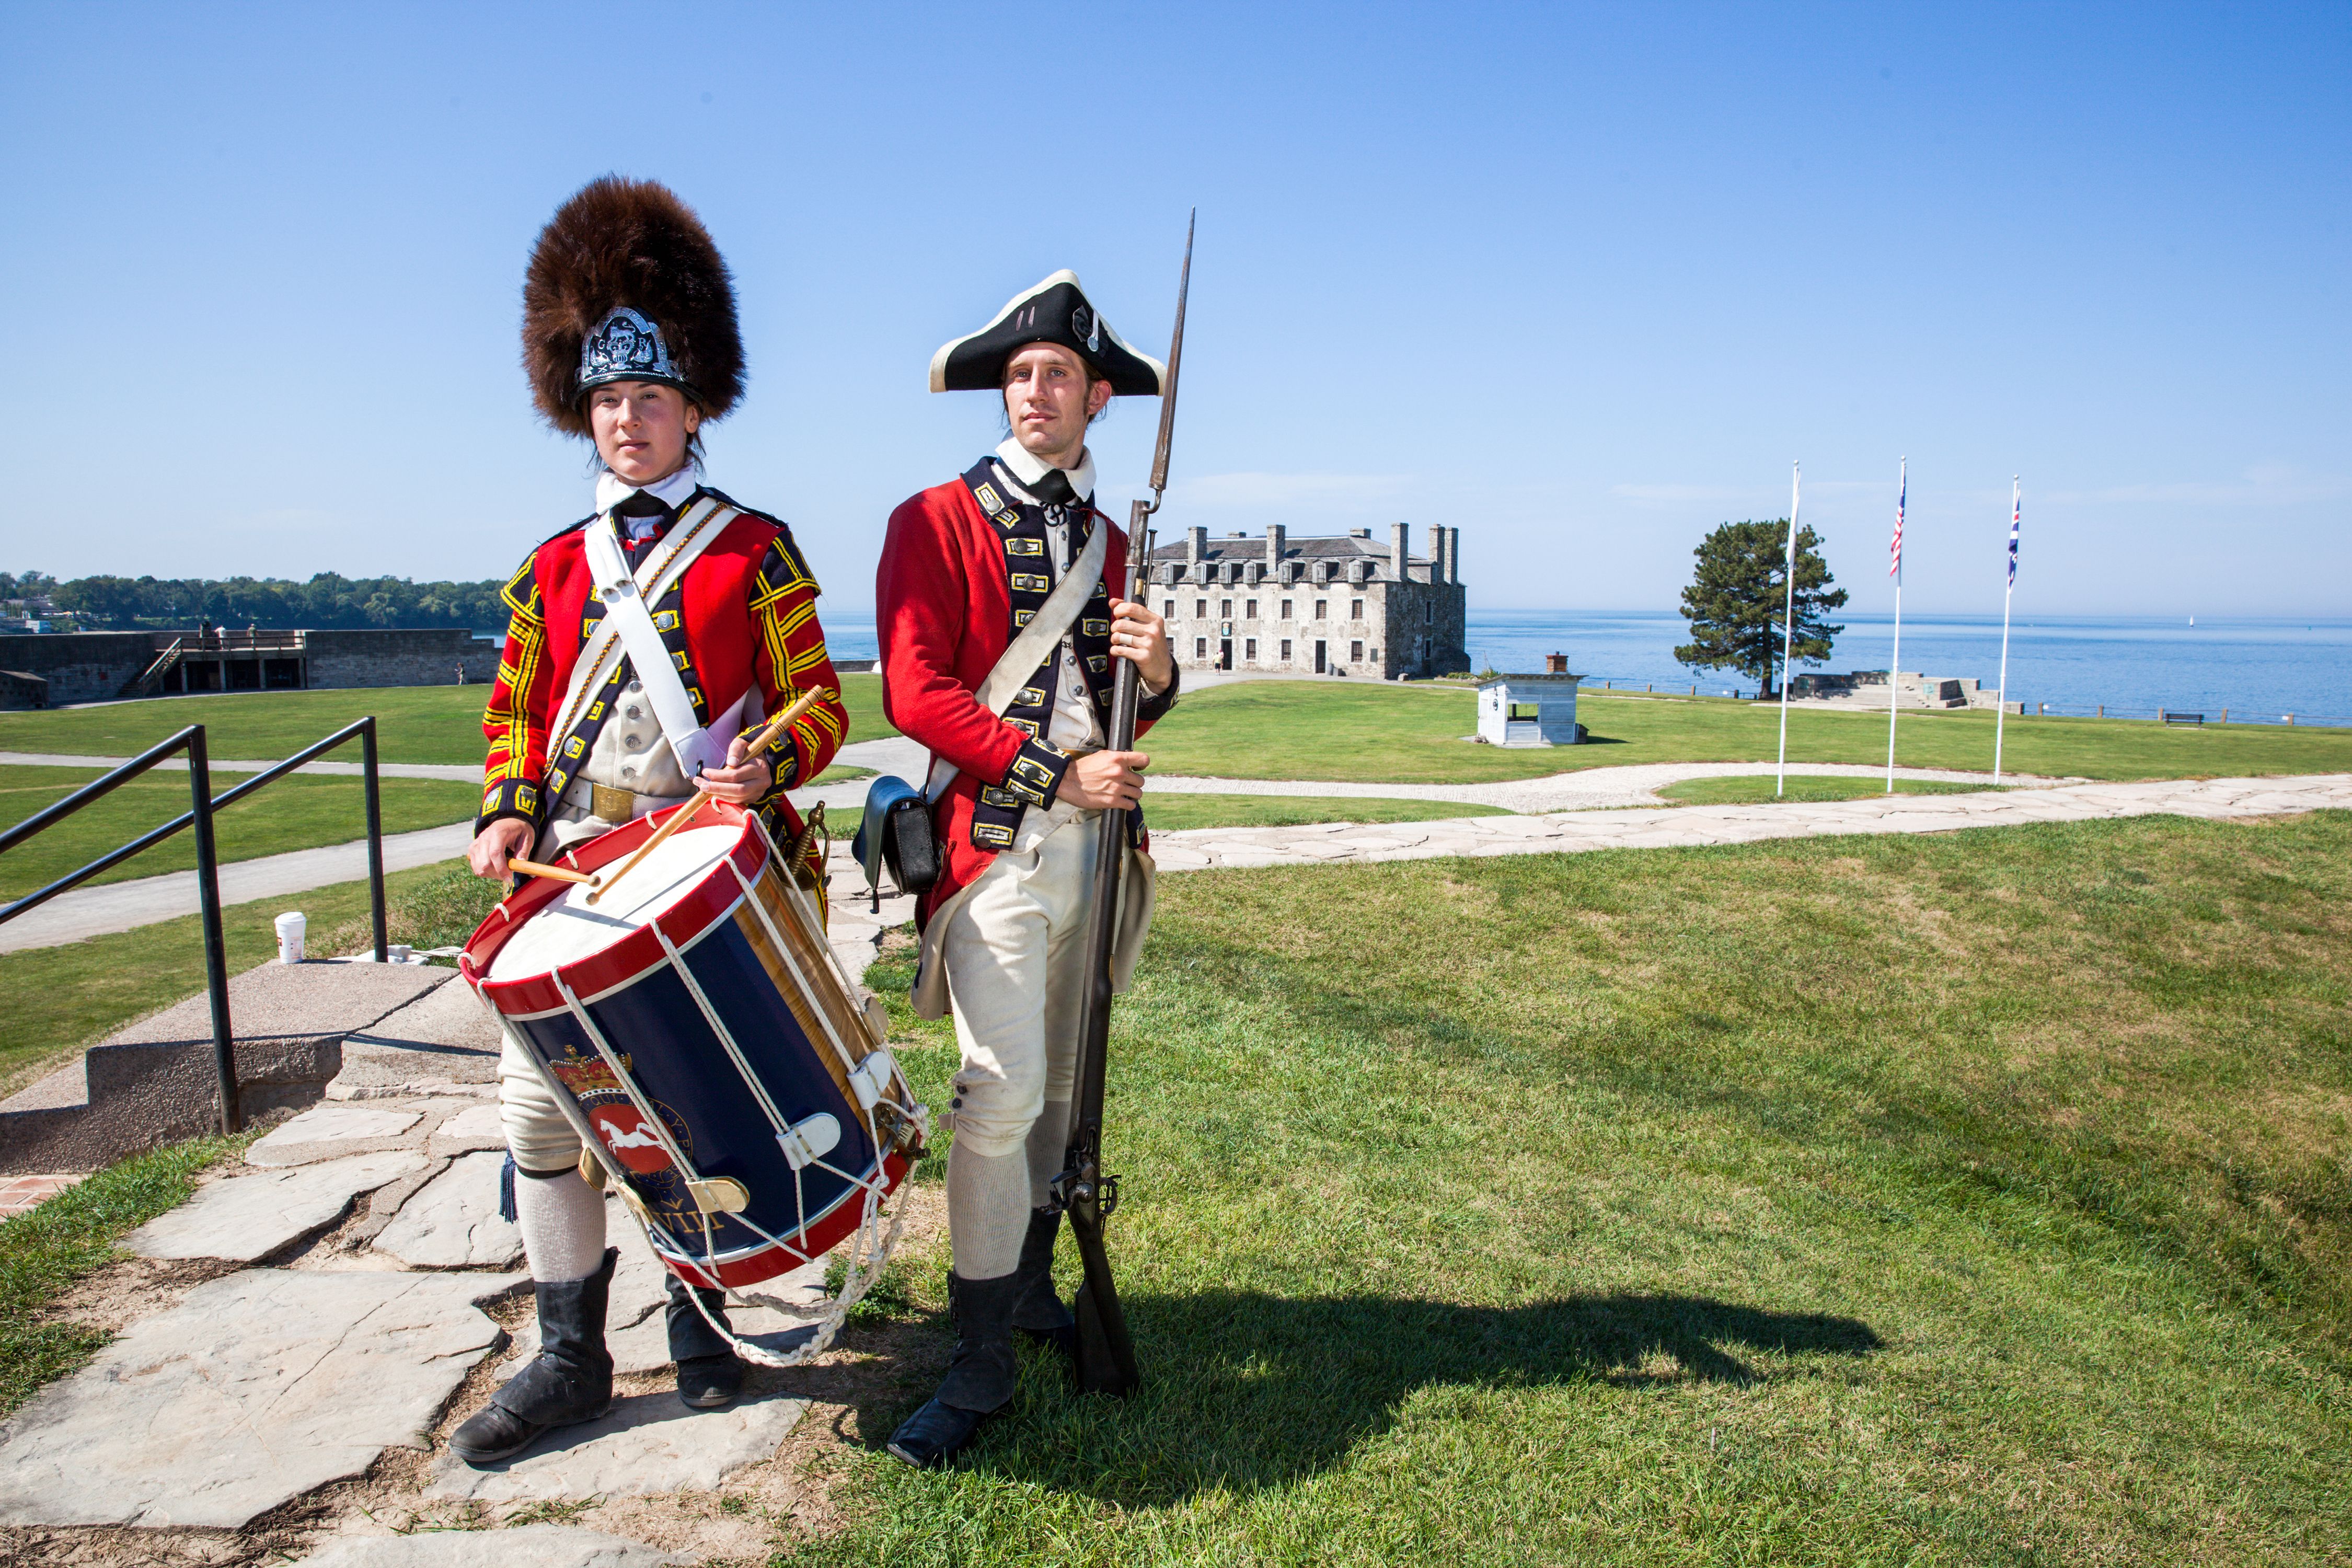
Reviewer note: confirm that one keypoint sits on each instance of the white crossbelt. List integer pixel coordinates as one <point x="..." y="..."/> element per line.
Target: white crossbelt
<point x="1045" y="628"/>
<point x="628" y="627"/>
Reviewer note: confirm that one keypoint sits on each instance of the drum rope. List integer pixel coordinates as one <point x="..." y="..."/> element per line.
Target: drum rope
<point x="867" y="1250"/>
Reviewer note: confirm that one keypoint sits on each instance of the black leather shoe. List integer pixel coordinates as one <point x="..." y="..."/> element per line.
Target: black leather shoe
<point x="569" y="1381"/>
<point x="930" y="1436"/>
<point x="709" y="1382"/>
<point x="709" y="1375"/>
<point x="1037" y="1311"/>
<point x="979" y="1377"/>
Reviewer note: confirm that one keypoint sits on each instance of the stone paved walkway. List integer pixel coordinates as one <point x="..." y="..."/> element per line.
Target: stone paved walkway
<point x="1334" y="843"/>
<point x="360" y="1246"/>
<point x="86" y="912"/>
<point x="1587" y="790"/>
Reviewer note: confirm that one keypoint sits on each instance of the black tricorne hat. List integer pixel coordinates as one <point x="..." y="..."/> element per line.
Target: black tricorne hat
<point x="626" y="284"/>
<point x="1055" y="311"/>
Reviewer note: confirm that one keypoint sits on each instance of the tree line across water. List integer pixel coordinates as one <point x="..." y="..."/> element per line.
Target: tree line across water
<point x="1737" y="601"/>
<point x="327" y="602"/>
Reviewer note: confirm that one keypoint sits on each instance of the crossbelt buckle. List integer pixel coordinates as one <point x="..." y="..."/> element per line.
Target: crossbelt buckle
<point x="617" y="806"/>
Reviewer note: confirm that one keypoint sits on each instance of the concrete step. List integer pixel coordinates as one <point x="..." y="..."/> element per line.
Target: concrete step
<point x="155" y="1082"/>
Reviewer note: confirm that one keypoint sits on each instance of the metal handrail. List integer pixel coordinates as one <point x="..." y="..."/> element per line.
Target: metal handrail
<point x="202" y="808"/>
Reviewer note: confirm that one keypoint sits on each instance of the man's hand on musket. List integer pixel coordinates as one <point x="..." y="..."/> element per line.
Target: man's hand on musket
<point x="1100" y="780"/>
<point x="1137" y="633"/>
<point x="496" y="845"/>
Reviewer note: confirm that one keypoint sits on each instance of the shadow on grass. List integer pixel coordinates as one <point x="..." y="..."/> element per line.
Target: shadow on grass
<point x="1244" y="1391"/>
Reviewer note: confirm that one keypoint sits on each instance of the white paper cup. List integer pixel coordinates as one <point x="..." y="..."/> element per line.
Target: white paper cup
<point x="290" y="926"/>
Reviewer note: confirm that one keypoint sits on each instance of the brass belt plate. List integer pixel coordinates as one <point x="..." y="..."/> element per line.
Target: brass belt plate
<point x="614" y="806"/>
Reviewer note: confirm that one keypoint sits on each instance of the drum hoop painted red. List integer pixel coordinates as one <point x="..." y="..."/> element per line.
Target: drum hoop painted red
<point x="629" y="958"/>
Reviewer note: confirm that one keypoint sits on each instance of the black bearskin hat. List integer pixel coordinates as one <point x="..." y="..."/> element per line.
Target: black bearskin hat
<point x="626" y="284"/>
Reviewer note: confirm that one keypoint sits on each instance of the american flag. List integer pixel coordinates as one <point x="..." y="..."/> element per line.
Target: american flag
<point x="2016" y="511"/>
<point x="1902" y="494"/>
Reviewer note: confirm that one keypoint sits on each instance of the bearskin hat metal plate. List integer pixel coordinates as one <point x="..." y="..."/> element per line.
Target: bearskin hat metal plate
<point x="626" y="284"/>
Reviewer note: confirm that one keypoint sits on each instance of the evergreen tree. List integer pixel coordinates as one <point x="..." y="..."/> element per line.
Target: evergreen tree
<point x="1738" y="596"/>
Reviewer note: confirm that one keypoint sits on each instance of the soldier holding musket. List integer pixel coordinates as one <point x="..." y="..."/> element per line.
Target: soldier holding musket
<point x="998" y="624"/>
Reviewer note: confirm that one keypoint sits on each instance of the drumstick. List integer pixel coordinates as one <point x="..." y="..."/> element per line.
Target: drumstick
<point x="678" y="819"/>
<point x="787" y="719"/>
<point x="784" y="720"/>
<point x="560" y="873"/>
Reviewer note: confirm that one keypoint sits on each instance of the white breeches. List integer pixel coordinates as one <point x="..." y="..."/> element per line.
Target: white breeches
<point x="1014" y="951"/>
<point x="538" y="1135"/>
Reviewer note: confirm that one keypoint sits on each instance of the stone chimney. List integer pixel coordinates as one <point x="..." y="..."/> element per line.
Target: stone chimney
<point x="1277" y="536"/>
<point x="1399" y="559"/>
<point x="1446" y="565"/>
<point x="1196" y="542"/>
<point x="1555" y="664"/>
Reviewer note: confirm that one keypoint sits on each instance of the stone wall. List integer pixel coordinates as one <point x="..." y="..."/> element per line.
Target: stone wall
<point x="80" y="667"/>
<point x="424" y="658"/>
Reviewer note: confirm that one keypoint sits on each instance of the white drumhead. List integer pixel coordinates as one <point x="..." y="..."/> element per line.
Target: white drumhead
<point x="572" y="928"/>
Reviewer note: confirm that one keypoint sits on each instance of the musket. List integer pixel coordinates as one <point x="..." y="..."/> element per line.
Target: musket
<point x="1105" y="1355"/>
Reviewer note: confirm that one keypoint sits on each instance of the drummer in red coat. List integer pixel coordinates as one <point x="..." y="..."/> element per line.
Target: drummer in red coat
<point x="997" y="629"/>
<point x="630" y="336"/>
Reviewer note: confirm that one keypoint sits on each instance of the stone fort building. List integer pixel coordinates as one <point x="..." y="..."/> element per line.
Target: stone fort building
<point x="1337" y="605"/>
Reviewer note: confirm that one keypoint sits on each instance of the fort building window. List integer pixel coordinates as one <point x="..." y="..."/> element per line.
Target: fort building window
<point x="1322" y="609"/>
<point x="1428" y="611"/>
<point x="1200" y="648"/>
<point x="1355" y="609"/>
<point x="1354" y="653"/>
<point x="1286" y="613"/>
<point x="1200" y="609"/>
<point x="1249" y="649"/>
<point x="1224" y="609"/>
<point x="1285" y="650"/>
<point x="1169" y="612"/>
<point x="1249" y="609"/>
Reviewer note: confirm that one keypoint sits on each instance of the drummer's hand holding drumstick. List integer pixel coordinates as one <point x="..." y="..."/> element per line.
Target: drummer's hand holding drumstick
<point x="496" y="845"/>
<point x="743" y="780"/>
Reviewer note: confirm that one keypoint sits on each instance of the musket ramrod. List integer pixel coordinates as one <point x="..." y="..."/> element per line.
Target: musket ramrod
<point x="1106" y="1356"/>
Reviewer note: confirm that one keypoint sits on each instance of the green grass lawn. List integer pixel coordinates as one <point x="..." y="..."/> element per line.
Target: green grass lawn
<point x="1757" y="789"/>
<point x="301" y="811"/>
<point x="60" y="1000"/>
<point x="1970" y="1199"/>
<point x="1337" y="730"/>
<point x="1168" y="813"/>
<point x="414" y="723"/>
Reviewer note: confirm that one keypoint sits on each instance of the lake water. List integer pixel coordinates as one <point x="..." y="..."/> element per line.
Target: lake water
<point x="2259" y="669"/>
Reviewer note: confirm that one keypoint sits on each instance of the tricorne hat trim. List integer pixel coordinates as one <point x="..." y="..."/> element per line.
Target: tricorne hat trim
<point x="940" y="360"/>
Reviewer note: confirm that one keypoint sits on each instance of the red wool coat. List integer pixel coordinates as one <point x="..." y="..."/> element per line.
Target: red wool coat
<point x="944" y="615"/>
<point x="749" y="612"/>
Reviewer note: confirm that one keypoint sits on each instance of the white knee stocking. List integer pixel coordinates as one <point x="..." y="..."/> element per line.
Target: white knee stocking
<point x="562" y="1224"/>
<point x="988" y="1211"/>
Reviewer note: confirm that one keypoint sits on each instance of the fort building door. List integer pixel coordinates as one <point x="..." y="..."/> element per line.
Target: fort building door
<point x="1225" y="653"/>
<point x="1318" y="656"/>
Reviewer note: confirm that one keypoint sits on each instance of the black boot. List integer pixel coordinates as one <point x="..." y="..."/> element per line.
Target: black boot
<point x="570" y="1379"/>
<point x="1037" y="1311"/>
<point x="980" y="1376"/>
<point x="709" y="1375"/>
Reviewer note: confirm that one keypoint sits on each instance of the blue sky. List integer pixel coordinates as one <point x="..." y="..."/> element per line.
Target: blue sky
<point x="1581" y="281"/>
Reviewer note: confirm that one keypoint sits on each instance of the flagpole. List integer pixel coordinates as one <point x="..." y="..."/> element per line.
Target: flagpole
<point x="1895" y="660"/>
<point x="1788" y="630"/>
<point x="2001" y="711"/>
